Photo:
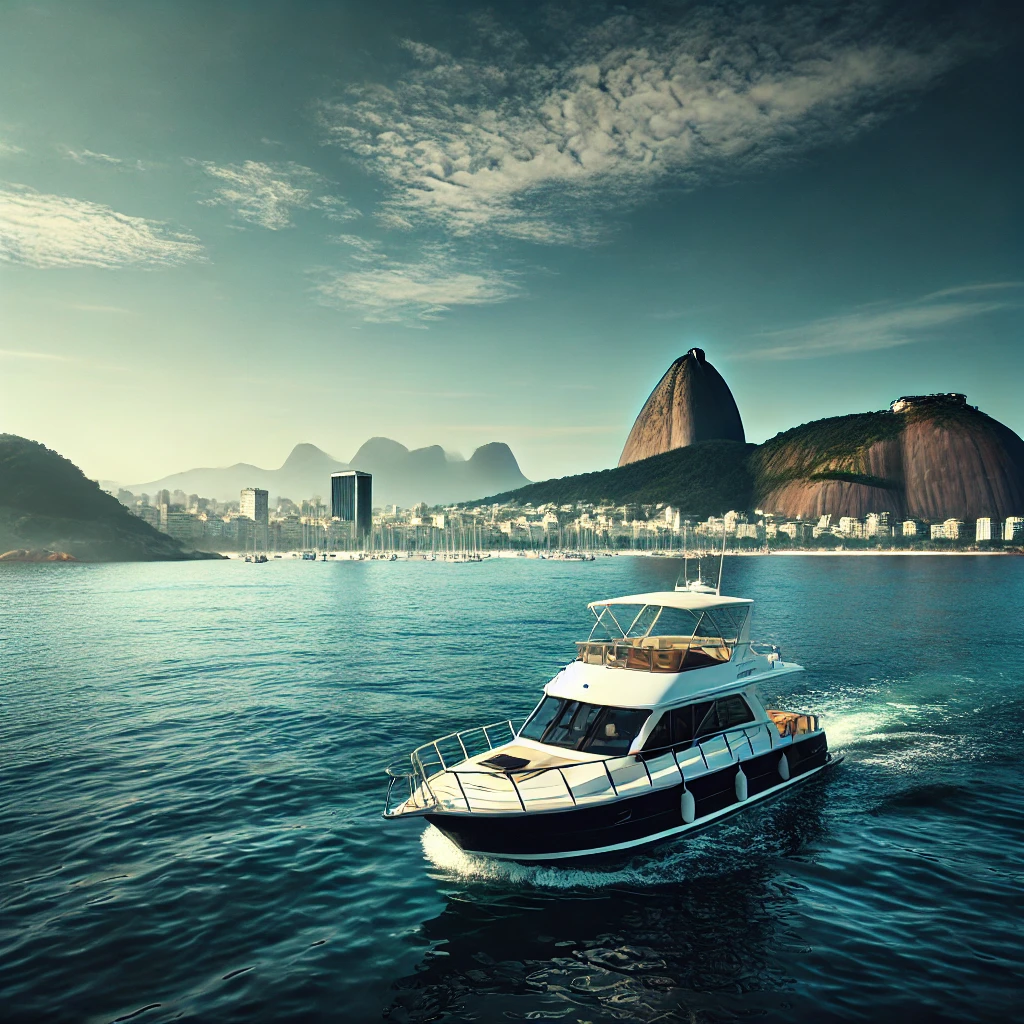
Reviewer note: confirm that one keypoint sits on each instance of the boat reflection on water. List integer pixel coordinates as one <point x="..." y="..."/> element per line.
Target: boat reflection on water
<point x="701" y="930"/>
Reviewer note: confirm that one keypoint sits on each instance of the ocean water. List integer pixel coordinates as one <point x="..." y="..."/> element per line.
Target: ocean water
<point x="191" y="780"/>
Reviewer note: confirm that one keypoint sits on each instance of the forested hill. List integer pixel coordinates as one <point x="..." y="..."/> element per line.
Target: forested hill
<point x="47" y="502"/>
<point x="702" y="480"/>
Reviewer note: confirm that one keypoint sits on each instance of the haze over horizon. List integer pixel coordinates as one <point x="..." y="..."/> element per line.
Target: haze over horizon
<point x="227" y="229"/>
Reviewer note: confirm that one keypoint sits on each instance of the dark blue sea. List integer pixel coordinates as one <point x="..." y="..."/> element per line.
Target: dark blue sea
<point x="191" y="781"/>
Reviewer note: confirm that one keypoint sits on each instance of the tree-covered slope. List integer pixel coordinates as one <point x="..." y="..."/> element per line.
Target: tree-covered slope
<point x="47" y="502"/>
<point x="702" y="479"/>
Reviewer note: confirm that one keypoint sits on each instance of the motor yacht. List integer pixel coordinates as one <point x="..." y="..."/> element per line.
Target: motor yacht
<point x="654" y="731"/>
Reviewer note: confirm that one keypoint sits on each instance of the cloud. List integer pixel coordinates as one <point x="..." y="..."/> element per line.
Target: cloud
<point x="888" y="325"/>
<point x="41" y="230"/>
<point x="87" y="156"/>
<point x="267" y="194"/>
<point x="532" y="149"/>
<point x="412" y="292"/>
<point x="9" y="148"/>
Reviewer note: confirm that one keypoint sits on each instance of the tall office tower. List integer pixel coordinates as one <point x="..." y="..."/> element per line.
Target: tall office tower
<point x="254" y="504"/>
<point x="352" y="500"/>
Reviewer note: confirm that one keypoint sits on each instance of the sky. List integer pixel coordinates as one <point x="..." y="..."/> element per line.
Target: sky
<point x="230" y="227"/>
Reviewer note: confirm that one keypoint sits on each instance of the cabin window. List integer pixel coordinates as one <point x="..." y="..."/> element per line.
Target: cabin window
<point x="539" y="721"/>
<point x="615" y="730"/>
<point x="571" y="727"/>
<point x="733" y="711"/>
<point x="683" y="725"/>
<point x="576" y="725"/>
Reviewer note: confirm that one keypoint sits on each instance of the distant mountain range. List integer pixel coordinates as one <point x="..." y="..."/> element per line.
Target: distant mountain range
<point x="400" y="476"/>
<point x="48" y="504"/>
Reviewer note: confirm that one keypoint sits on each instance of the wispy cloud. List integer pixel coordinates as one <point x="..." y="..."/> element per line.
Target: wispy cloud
<point x="9" y="148"/>
<point x="91" y="158"/>
<point x="268" y="194"/>
<point x="412" y="292"/>
<point x="512" y="145"/>
<point x="87" y="156"/>
<point x="41" y="230"/>
<point x="883" y="325"/>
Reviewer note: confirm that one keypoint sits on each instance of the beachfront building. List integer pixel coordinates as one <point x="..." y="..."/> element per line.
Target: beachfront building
<point x="877" y="525"/>
<point x="254" y="504"/>
<point x="910" y="528"/>
<point x="352" y="500"/>
<point x="849" y="526"/>
<point x="1013" y="528"/>
<point x="983" y="529"/>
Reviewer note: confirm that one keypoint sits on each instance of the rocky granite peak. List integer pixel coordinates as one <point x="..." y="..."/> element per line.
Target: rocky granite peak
<point x="692" y="403"/>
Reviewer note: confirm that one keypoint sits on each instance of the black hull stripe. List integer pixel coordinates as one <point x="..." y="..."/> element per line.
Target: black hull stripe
<point x="634" y="821"/>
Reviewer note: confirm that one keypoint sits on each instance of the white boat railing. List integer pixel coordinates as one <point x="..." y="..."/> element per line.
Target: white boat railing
<point x="561" y="787"/>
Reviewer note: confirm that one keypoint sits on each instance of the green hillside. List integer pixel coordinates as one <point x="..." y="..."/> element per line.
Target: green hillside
<point x="48" y="502"/>
<point x="809" y="451"/>
<point x="702" y="479"/>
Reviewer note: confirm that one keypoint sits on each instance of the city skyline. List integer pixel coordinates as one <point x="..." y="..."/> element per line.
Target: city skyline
<point x="494" y="226"/>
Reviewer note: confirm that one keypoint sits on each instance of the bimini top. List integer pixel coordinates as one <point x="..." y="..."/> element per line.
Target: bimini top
<point x="675" y="599"/>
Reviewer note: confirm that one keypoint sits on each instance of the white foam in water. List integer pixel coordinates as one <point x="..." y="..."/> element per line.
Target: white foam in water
<point x="664" y="864"/>
<point x="845" y="729"/>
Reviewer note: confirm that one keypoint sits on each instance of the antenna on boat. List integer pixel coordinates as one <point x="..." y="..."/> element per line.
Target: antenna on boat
<point x="721" y="562"/>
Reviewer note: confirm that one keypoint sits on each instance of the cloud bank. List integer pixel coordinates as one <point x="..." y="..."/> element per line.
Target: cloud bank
<point x="411" y="292"/>
<point x="530" y="148"/>
<point x="267" y="194"/>
<point x="41" y="230"/>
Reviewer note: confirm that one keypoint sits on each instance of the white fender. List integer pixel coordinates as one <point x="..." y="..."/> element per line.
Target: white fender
<point x="784" y="768"/>
<point x="741" y="785"/>
<point x="688" y="806"/>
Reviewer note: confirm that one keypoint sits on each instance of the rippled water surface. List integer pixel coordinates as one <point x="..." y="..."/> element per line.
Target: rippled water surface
<point x="191" y="785"/>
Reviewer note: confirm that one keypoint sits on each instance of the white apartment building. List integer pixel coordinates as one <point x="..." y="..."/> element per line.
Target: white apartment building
<point x="1013" y="528"/>
<point x="850" y="527"/>
<point x="949" y="530"/>
<point x="983" y="529"/>
<point x="876" y="524"/>
<point x="910" y="528"/>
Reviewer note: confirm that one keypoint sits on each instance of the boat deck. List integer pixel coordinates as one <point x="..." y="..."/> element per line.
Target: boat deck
<point x="492" y="782"/>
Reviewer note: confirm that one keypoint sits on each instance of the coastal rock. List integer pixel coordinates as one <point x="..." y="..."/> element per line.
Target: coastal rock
<point x="36" y="555"/>
<point x="692" y="403"/>
<point x="932" y="461"/>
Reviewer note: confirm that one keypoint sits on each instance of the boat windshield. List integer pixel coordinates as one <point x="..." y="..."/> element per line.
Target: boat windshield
<point x="576" y="725"/>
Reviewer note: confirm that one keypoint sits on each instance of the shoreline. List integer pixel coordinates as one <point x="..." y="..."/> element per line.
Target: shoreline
<point x="346" y="556"/>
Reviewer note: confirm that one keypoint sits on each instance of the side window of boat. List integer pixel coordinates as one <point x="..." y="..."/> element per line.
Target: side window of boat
<point x="538" y="722"/>
<point x="661" y="734"/>
<point x="616" y="729"/>
<point x="692" y="721"/>
<point x="733" y="711"/>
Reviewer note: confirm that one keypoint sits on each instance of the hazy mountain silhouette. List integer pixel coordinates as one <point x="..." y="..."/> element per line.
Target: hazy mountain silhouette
<point x="400" y="476"/>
